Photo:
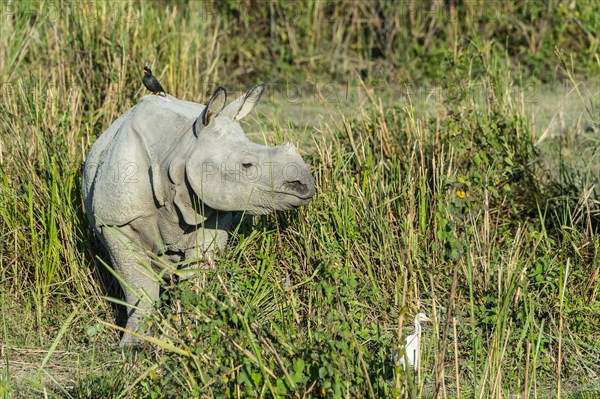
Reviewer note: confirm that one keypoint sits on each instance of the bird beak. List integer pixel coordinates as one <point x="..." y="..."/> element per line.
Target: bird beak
<point x="426" y="319"/>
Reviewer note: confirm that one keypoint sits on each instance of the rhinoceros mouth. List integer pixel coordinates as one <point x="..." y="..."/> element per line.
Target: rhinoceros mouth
<point x="297" y="189"/>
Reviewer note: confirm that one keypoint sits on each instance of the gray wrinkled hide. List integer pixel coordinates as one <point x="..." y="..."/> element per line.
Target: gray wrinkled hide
<point x="162" y="182"/>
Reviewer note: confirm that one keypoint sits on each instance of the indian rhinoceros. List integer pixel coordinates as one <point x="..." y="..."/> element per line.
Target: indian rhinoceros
<point x="163" y="182"/>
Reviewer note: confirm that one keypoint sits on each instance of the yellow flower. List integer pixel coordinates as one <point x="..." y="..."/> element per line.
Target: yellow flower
<point x="461" y="194"/>
<point x="462" y="180"/>
<point x="153" y="374"/>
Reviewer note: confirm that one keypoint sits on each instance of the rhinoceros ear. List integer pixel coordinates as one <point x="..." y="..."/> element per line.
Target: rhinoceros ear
<point x="242" y="106"/>
<point x="214" y="106"/>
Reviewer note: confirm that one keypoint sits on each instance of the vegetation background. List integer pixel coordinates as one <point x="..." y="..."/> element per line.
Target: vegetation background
<point x="453" y="145"/>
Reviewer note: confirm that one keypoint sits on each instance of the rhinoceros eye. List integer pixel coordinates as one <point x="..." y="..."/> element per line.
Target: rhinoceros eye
<point x="247" y="165"/>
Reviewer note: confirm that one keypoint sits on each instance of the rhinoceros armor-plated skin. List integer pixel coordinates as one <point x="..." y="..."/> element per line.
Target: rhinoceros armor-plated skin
<point x="166" y="181"/>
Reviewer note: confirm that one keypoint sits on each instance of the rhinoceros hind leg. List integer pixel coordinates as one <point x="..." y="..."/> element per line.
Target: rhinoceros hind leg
<point x="138" y="281"/>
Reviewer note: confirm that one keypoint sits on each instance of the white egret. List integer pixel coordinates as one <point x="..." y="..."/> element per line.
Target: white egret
<point x="412" y="348"/>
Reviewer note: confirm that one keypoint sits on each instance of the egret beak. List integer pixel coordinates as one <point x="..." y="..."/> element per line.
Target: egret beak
<point x="426" y="319"/>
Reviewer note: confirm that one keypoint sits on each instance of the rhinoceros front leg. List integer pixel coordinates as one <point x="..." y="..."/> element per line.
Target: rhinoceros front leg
<point x="137" y="279"/>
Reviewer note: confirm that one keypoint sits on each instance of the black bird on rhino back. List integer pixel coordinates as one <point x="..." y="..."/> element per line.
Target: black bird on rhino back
<point x="151" y="82"/>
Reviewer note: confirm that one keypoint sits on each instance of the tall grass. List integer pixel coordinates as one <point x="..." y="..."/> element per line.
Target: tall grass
<point x="441" y="207"/>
